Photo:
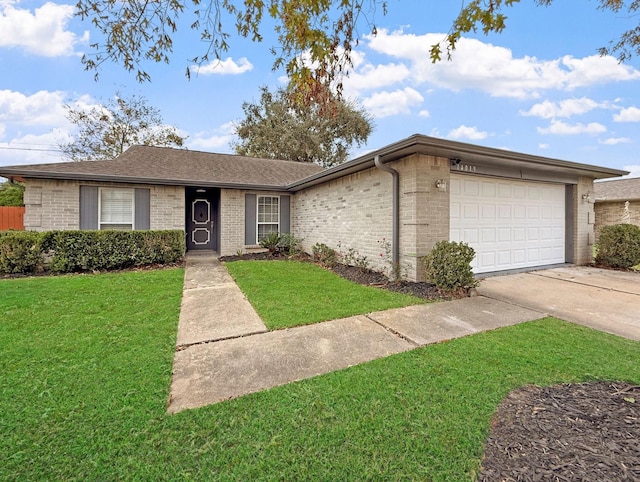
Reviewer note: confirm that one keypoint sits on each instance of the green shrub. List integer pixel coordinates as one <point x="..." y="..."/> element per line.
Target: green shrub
<point x="20" y="252"/>
<point x="107" y="250"/>
<point x="324" y="255"/>
<point x="289" y="244"/>
<point x="270" y="241"/>
<point x="619" y="246"/>
<point x="448" y="266"/>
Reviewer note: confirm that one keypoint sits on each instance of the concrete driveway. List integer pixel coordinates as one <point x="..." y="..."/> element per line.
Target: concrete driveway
<point x="602" y="299"/>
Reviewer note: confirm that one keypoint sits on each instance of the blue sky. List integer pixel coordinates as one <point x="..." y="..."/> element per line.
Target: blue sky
<point x="539" y="87"/>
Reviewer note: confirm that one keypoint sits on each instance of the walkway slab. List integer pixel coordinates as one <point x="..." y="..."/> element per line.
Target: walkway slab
<point x="213" y="307"/>
<point x="213" y="372"/>
<point x="610" y="310"/>
<point x="436" y="322"/>
<point x="206" y="315"/>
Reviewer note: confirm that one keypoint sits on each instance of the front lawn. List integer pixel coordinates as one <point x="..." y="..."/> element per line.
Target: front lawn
<point x="86" y="364"/>
<point x="291" y="293"/>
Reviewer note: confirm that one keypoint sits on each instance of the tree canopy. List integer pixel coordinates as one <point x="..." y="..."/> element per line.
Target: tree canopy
<point x="277" y="127"/>
<point x="105" y="131"/>
<point x="323" y="32"/>
<point x="11" y="194"/>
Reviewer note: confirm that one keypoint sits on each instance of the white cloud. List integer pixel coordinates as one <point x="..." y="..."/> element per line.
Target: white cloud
<point x="565" y="108"/>
<point x="225" y="67"/>
<point x="466" y="132"/>
<point x="424" y="113"/>
<point x="612" y="141"/>
<point x="33" y="148"/>
<point x="384" y="104"/>
<point x="494" y="69"/>
<point x="543" y="146"/>
<point x="368" y="76"/>
<point x="41" y="108"/>
<point x="218" y="140"/>
<point x="630" y="114"/>
<point x="561" y="128"/>
<point x="43" y="32"/>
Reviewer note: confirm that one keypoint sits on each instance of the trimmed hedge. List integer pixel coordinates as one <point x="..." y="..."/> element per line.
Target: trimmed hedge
<point x="20" y="252"/>
<point x="619" y="246"/>
<point x="71" y="251"/>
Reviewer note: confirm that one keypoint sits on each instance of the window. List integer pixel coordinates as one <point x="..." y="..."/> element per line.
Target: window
<point x="116" y="208"/>
<point x="268" y="215"/>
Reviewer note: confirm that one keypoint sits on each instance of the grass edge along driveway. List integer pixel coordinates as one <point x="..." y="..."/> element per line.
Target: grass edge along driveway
<point x="293" y="293"/>
<point x="86" y="365"/>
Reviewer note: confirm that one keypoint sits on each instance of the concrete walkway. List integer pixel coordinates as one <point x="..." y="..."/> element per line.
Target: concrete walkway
<point x="225" y="351"/>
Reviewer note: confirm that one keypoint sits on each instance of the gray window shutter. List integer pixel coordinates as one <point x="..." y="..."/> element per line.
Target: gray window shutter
<point x="285" y="214"/>
<point x="88" y="207"/>
<point x="143" y="209"/>
<point x="250" y="219"/>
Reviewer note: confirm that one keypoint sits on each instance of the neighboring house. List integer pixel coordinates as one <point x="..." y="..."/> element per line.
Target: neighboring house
<point x="617" y="202"/>
<point x="515" y="210"/>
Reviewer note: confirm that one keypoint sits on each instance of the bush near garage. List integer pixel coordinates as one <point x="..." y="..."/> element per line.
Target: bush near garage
<point x="619" y="246"/>
<point x="448" y="266"/>
<point x="72" y="251"/>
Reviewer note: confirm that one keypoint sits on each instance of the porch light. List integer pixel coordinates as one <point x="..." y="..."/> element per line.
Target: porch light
<point x="441" y="185"/>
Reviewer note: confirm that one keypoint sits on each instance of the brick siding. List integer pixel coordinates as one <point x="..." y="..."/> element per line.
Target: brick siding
<point x="613" y="212"/>
<point x="55" y="205"/>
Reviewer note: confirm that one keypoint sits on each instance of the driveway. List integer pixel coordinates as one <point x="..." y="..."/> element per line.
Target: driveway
<point x="602" y="299"/>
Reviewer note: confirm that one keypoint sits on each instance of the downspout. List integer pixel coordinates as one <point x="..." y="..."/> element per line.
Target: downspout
<point x="395" y="217"/>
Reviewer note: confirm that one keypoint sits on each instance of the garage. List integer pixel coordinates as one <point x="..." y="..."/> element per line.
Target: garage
<point x="509" y="223"/>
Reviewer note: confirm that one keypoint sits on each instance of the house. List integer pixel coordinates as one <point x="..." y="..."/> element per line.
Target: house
<point x="516" y="210"/>
<point x="616" y="202"/>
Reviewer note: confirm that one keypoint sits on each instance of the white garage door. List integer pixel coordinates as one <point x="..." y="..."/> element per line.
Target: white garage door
<point x="510" y="224"/>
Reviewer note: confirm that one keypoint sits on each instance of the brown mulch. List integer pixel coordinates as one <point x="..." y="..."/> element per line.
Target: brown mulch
<point x="571" y="432"/>
<point x="361" y="276"/>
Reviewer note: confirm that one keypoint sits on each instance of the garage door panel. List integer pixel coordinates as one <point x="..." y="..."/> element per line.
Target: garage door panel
<point x="509" y="223"/>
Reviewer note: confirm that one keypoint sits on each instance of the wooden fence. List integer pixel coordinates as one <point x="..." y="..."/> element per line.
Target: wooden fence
<point x="11" y="217"/>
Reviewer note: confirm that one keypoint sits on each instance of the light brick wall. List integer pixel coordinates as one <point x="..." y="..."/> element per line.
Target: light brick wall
<point x="354" y="210"/>
<point x="232" y="220"/>
<point x="55" y="205"/>
<point x="584" y="221"/>
<point x="167" y="205"/>
<point x="424" y="209"/>
<point x="610" y="213"/>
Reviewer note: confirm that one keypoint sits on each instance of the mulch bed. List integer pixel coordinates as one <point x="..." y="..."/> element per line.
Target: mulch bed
<point x="571" y="432"/>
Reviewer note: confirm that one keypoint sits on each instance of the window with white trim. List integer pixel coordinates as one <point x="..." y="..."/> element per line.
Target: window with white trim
<point x="116" y="208"/>
<point x="268" y="216"/>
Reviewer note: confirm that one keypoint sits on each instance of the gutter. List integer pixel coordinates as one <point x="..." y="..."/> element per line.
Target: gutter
<point x="395" y="218"/>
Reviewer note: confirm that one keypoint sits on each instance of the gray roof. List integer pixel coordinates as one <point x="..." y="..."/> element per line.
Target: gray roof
<point x="162" y="165"/>
<point x="617" y="190"/>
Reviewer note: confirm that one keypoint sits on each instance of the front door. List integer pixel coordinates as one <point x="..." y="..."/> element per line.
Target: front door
<point x="201" y="219"/>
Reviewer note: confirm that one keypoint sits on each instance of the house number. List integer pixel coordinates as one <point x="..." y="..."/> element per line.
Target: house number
<point x="465" y="168"/>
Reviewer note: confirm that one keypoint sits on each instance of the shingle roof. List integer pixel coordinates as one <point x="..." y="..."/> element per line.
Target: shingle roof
<point x="618" y="190"/>
<point x="162" y="165"/>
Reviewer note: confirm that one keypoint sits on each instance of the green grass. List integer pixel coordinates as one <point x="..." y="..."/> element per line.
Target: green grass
<point x="86" y="364"/>
<point x="291" y="293"/>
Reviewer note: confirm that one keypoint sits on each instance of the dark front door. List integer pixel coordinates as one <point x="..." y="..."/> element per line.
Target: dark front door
<point x="202" y="208"/>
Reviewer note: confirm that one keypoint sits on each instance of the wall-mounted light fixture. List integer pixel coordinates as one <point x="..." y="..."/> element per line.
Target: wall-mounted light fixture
<point x="586" y="197"/>
<point x="441" y="185"/>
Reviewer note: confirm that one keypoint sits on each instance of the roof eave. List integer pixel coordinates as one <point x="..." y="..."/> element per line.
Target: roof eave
<point x="136" y="180"/>
<point x="419" y="144"/>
